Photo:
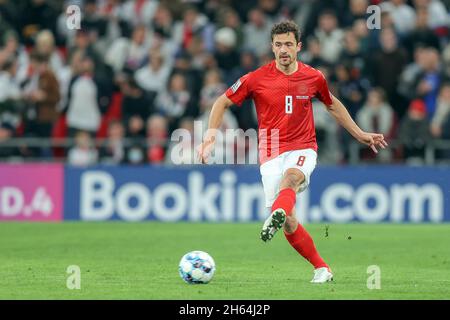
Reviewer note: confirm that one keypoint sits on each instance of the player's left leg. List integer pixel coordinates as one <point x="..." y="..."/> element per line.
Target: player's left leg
<point x="298" y="167"/>
<point x="302" y="242"/>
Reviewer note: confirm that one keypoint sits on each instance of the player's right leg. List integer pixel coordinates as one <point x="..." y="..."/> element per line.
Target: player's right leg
<point x="284" y="203"/>
<point x="271" y="174"/>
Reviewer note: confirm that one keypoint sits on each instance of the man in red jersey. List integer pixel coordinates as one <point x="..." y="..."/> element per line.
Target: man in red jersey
<point x="282" y="91"/>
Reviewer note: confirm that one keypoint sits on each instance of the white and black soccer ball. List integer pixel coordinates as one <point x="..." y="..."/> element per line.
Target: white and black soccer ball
<point x="197" y="267"/>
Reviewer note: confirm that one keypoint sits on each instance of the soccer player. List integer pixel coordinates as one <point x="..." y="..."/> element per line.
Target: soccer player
<point x="282" y="91"/>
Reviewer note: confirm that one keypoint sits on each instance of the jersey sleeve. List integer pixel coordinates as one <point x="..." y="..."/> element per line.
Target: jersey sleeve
<point x="240" y="90"/>
<point x="323" y="93"/>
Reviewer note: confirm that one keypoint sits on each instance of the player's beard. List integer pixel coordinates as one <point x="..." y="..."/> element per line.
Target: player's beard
<point x="285" y="61"/>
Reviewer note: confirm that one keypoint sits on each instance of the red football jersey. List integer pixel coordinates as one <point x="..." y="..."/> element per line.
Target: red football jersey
<point x="283" y="106"/>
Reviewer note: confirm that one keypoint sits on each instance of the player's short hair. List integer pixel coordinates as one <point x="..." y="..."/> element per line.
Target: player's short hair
<point x="286" y="27"/>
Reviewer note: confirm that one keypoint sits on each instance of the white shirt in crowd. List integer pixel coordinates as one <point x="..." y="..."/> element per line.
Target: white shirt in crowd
<point x="255" y="38"/>
<point x="153" y="80"/>
<point x="64" y="76"/>
<point x="331" y="44"/>
<point x="383" y="112"/>
<point x="145" y="15"/>
<point x="403" y="16"/>
<point x="122" y="50"/>
<point x="9" y="89"/>
<point x="83" y="112"/>
<point x="82" y="157"/>
<point x="438" y="15"/>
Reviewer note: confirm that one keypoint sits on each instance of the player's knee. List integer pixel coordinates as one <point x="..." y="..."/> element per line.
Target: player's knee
<point x="294" y="179"/>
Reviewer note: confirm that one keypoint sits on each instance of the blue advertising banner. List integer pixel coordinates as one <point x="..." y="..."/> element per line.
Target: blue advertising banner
<point x="234" y="193"/>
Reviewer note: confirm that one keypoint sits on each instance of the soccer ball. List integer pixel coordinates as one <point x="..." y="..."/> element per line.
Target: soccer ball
<point x="197" y="267"/>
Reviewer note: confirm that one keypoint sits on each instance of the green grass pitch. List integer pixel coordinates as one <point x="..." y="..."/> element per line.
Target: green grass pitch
<point x="140" y="261"/>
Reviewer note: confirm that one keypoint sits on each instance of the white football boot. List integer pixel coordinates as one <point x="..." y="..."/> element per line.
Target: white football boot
<point x="272" y="224"/>
<point x="322" y="275"/>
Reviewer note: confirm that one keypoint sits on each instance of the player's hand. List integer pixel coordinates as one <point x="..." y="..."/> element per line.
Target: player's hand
<point x="373" y="140"/>
<point x="204" y="150"/>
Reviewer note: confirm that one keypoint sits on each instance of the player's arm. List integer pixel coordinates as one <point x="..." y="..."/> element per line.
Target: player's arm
<point x="215" y="120"/>
<point x="340" y="113"/>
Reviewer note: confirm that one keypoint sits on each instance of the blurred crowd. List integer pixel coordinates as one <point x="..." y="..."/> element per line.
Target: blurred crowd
<point x="137" y="70"/>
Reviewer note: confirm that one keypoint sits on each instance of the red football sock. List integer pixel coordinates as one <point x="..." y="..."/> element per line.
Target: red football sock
<point x="285" y="201"/>
<point x="301" y="241"/>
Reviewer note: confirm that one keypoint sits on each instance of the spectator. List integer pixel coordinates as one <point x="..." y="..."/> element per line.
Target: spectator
<point x="440" y="123"/>
<point x="44" y="99"/>
<point x="357" y="10"/>
<point x="83" y="112"/>
<point x="183" y="150"/>
<point x="352" y="91"/>
<point x="352" y="88"/>
<point x="157" y="134"/>
<point x="97" y="26"/>
<point x="402" y="15"/>
<point x="248" y="62"/>
<point x="446" y="62"/>
<point x="113" y="151"/>
<point x="45" y="46"/>
<point x="110" y="10"/>
<point x="67" y="74"/>
<point x="226" y="54"/>
<point x="135" y="152"/>
<point x="136" y="104"/>
<point x="414" y="132"/>
<point x="271" y="8"/>
<point x="362" y="33"/>
<point x="126" y="54"/>
<point x="84" y="43"/>
<point x="9" y="88"/>
<point x="10" y="98"/>
<point x="246" y="118"/>
<point x="213" y="87"/>
<point x="377" y="115"/>
<point x="330" y="36"/>
<point x="257" y="32"/>
<point x="183" y="65"/>
<point x="422" y="35"/>
<point x="326" y="129"/>
<point x="194" y="24"/>
<point x="437" y="14"/>
<point x="231" y="20"/>
<point x="138" y="11"/>
<point x="162" y="22"/>
<point x="312" y="54"/>
<point x="387" y="65"/>
<point x="387" y="23"/>
<point x="135" y="128"/>
<point x="12" y="46"/>
<point x="428" y="82"/>
<point x="199" y="56"/>
<point x="83" y="153"/>
<point x="352" y="55"/>
<point x="154" y="75"/>
<point x="410" y="74"/>
<point x="175" y="102"/>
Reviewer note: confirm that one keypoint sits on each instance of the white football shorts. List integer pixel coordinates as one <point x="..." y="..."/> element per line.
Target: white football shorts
<point x="273" y="170"/>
